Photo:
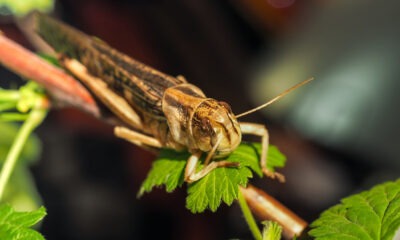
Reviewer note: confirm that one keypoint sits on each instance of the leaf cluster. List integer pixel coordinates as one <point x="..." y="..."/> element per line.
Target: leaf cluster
<point x="373" y="214"/>
<point x="16" y="184"/>
<point x="220" y="185"/>
<point x="17" y="225"/>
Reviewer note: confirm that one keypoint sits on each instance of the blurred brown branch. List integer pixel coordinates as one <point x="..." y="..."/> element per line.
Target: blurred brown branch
<point x="66" y="91"/>
<point x="267" y="207"/>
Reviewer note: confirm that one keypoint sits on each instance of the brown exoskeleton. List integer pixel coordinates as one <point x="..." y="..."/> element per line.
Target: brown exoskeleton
<point x="159" y="110"/>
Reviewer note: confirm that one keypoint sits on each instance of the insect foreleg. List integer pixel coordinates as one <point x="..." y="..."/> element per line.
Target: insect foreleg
<point x="190" y="172"/>
<point x="261" y="130"/>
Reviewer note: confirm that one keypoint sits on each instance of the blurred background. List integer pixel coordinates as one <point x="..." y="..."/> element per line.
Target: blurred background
<point x="340" y="132"/>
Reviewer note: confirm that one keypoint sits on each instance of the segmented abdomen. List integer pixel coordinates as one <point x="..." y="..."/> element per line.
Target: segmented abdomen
<point x="142" y="86"/>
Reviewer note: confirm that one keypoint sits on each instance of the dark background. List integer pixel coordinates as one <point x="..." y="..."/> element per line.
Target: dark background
<point x="340" y="133"/>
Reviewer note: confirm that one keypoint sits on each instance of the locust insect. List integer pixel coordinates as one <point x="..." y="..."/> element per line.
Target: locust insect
<point x="158" y="110"/>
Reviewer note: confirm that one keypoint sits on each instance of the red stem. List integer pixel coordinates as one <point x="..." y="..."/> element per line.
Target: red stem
<point x="61" y="86"/>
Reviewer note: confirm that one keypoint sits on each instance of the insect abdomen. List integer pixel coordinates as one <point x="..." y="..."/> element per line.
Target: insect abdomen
<point x="142" y="86"/>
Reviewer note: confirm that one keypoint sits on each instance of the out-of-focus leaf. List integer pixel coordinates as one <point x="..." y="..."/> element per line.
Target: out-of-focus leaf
<point x="271" y="231"/>
<point x="373" y="214"/>
<point x="23" y="7"/>
<point x="20" y="191"/>
<point x="16" y="225"/>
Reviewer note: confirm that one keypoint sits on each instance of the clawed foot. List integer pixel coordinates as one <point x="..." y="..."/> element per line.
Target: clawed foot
<point x="191" y="175"/>
<point x="274" y="175"/>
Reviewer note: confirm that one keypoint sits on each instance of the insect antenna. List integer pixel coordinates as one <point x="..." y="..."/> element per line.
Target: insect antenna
<point x="275" y="98"/>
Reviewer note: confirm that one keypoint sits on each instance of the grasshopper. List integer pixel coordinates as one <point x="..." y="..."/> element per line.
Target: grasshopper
<point x="158" y="110"/>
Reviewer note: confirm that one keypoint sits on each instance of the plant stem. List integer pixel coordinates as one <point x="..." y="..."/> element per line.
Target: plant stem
<point x="61" y="86"/>
<point x="9" y="95"/>
<point x="8" y="117"/>
<point x="7" y="106"/>
<point x="249" y="217"/>
<point x="34" y="118"/>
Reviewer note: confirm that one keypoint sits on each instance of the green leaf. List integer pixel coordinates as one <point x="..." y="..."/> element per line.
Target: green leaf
<point x="167" y="170"/>
<point x="16" y="225"/>
<point x="21" y="191"/>
<point x="272" y="230"/>
<point x="20" y="219"/>
<point x="373" y="214"/>
<point x="220" y="185"/>
<point x="248" y="154"/>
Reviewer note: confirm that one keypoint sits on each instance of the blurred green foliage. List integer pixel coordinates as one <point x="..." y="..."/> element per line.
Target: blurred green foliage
<point x="23" y="7"/>
<point x="21" y="191"/>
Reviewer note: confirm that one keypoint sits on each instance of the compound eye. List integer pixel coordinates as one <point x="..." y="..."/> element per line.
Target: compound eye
<point x="205" y="125"/>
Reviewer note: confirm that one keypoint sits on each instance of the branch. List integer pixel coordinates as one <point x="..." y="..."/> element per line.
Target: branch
<point x="267" y="207"/>
<point x="62" y="88"/>
<point x="65" y="90"/>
